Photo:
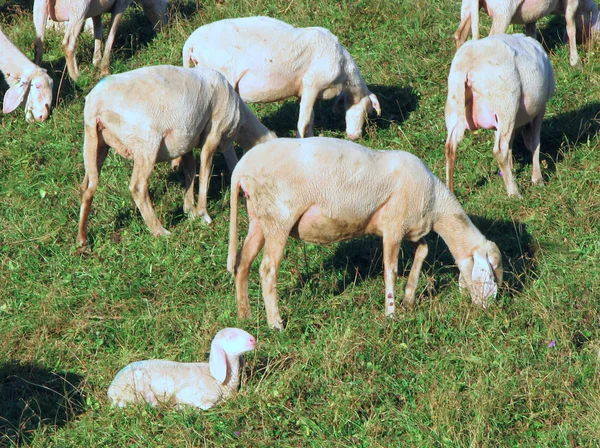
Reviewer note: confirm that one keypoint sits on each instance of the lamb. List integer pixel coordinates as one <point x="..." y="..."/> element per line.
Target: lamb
<point x="75" y="12"/>
<point x="502" y="82"/>
<point x="25" y="80"/>
<point x="201" y="384"/>
<point x="269" y="60"/>
<point x="158" y="113"/>
<point x="324" y="190"/>
<point x="581" y="17"/>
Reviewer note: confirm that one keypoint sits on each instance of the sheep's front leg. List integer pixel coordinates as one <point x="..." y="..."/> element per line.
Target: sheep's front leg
<point x="421" y="251"/>
<point x="531" y="137"/>
<point x="254" y="242"/>
<point x="206" y="157"/>
<point x="97" y="39"/>
<point x="40" y="16"/>
<point x="142" y="167"/>
<point x="116" y="16"/>
<point x="570" y="13"/>
<point x="307" y="115"/>
<point x="269" y="268"/>
<point x="503" y="154"/>
<point x="391" y="250"/>
<point x="189" y="171"/>
<point x="450" y="153"/>
<point x="230" y="158"/>
<point x="500" y="23"/>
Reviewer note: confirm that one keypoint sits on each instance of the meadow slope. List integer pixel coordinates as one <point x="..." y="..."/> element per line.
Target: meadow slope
<point x="522" y="372"/>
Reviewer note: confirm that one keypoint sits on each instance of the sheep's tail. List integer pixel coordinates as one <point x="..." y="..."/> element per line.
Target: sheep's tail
<point x="455" y="120"/>
<point x="187" y="54"/>
<point x="233" y="222"/>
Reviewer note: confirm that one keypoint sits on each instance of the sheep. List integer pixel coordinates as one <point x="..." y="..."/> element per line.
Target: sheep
<point x="324" y="190"/>
<point x="269" y="60"/>
<point x="200" y="384"/>
<point x="75" y="12"/>
<point x="581" y="17"/>
<point x="158" y="113"/>
<point x="501" y="82"/>
<point x="25" y="80"/>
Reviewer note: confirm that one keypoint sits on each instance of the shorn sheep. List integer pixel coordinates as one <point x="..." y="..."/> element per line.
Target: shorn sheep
<point x="25" y="80"/>
<point x="75" y="12"/>
<point x="269" y="60"/>
<point x="501" y="82"/>
<point x="202" y="385"/>
<point x="155" y="114"/>
<point x="581" y="17"/>
<point x="324" y="190"/>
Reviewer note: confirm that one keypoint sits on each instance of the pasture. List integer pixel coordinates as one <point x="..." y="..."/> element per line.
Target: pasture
<point x="524" y="371"/>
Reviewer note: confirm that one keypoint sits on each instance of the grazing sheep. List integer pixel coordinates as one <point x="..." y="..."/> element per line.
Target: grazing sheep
<point x="324" y="190"/>
<point x="268" y="60"/>
<point x="155" y="114"/>
<point x="198" y="384"/>
<point x="581" y="17"/>
<point x="25" y="79"/>
<point x="501" y="82"/>
<point x="75" y="12"/>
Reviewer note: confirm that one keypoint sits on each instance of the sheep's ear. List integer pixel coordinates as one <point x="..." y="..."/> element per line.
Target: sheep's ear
<point x="484" y="286"/>
<point x="14" y="96"/>
<point x="218" y="362"/>
<point x="339" y="102"/>
<point x="375" y="103"/>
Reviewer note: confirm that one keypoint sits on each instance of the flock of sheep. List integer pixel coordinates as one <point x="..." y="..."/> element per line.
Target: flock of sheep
<point x="320" y="190"/>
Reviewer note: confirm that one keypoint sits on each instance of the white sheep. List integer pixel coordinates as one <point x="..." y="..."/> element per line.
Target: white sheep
<point x="201" y="384"/>
<point x="501" y="82"/>
<point x="324" y="190"/>
<point x="25" y="80"/>
<point x="581" y="17"/>
<point x="75" y="12"/>
<point x="269" y="60"/>
<point x="158" y="113"/>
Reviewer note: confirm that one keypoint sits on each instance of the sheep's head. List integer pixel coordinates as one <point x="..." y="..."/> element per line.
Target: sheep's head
<point x="357" y="111"/>
<point x="229" y="343"/>
<point x="39" y="99"/>
<point x="482" y="273"/>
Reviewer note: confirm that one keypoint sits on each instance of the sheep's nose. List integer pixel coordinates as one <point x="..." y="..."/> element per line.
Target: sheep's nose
<point x="354" y="136"/>
<point x="252" y="341"/>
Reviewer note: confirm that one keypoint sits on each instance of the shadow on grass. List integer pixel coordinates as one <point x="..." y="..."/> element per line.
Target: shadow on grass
<point x="397" y="103"/>
<point x="362" y="258"/>
<point x="33" y="396"/>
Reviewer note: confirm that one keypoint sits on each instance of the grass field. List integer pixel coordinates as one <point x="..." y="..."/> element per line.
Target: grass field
<point x="522" y="372"/>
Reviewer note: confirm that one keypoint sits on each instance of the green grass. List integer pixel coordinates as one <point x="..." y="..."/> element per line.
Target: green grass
<point x="445" y="374"/>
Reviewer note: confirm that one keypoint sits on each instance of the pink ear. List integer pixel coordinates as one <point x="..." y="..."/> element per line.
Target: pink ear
<point x="375" y="103"/>
<point x="14" y="96"/>
<point x="484" y="286"/>
<point x="218" y="362"/>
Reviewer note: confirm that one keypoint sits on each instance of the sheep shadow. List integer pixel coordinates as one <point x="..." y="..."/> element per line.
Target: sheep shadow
<point x="560" y="134"/>
<point x="32" y="396"/>
<point x="397" y="103"/>
<point x="362" y="258"/>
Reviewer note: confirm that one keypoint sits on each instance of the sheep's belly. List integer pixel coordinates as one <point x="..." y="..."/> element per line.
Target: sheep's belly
<point x="532" y="10"/>
<point x="315" y="227"/>
<point x="266" y="87"/>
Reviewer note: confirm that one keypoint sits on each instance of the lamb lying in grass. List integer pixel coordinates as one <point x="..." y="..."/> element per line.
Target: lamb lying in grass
<point x="581" y="17"/>
<point x="324" y="190"/>
<point x="159" y="113"/>
<point x="502" y="82"/>
<point x="201" y="384"/>
<point x="268" y="60"/>
<point x="25" y="80"/>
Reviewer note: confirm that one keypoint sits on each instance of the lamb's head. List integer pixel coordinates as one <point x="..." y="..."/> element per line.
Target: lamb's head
<point x="481" y="273"/>
<point x="356" y="111"/>
<point x="36" y="85"/>
<point x="229" y="343"/>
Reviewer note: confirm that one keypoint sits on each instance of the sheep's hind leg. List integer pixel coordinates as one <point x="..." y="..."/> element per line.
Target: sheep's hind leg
<point x="503" y="154"/>
<point x="254" y="242"/>
<point x="269" y="268"/>
<point x="531" y="137"/>
<point x="142" y="167"/>
<point x="189" y="171"/>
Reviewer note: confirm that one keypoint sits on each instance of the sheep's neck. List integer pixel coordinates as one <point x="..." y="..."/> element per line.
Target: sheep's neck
<point x="232" y="381"/>
<point x="458" y="232"/>
<point x="13" y="63"/>
<point x="252" y="132"/>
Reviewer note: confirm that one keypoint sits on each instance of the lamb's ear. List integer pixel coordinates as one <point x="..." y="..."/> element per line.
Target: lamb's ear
<point x="14" y="96"/>
<point x="218" y="362"/>
<point x="375" y="103"/>
<point x="484" y="286"/>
